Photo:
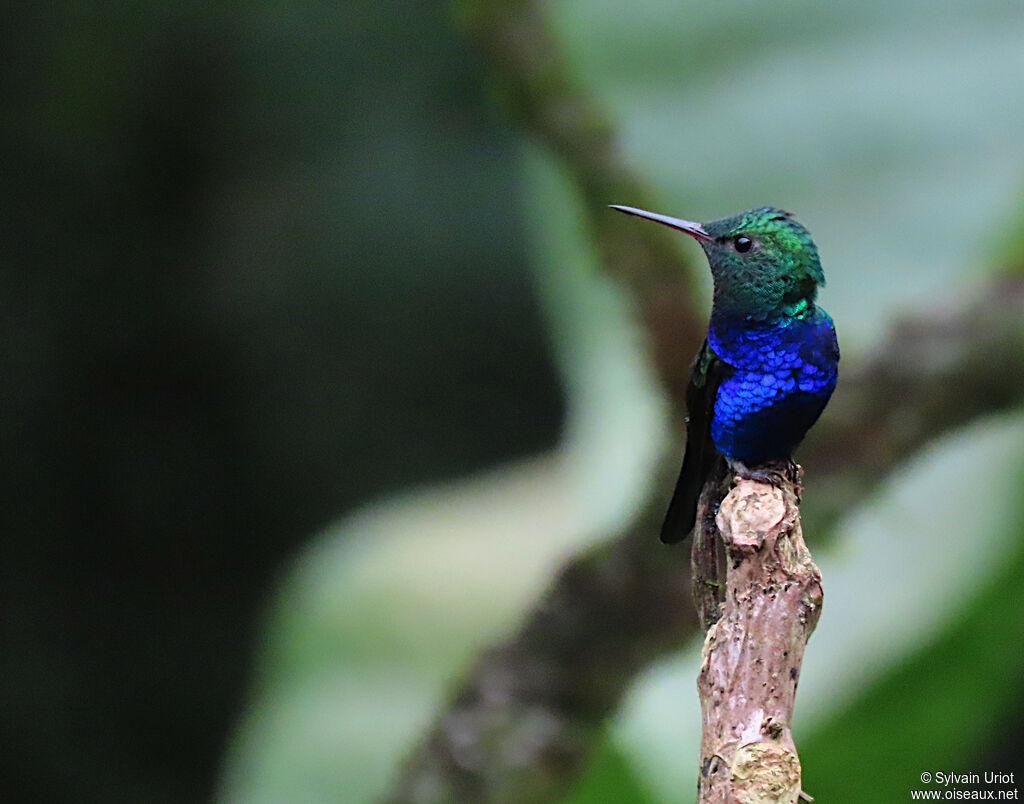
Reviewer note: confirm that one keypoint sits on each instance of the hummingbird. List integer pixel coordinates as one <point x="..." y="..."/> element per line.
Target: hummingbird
<point x="770" y="360"/>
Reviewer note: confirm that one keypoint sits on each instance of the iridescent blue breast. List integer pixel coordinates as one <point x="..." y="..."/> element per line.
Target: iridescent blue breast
<point x="777" y="379"/>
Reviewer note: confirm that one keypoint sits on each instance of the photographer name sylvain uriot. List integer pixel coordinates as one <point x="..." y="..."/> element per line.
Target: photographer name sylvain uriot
<point x="988" y="777"/>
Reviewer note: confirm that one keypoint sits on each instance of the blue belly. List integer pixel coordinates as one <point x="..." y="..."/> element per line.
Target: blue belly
<point x="778" y="378"/>
<point x="764" y="430"/>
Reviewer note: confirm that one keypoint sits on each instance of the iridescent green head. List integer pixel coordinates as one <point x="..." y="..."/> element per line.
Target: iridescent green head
<point x="763" y="262"/>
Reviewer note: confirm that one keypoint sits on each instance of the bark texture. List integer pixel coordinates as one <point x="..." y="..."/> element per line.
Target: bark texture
<point x="750" y="664"/>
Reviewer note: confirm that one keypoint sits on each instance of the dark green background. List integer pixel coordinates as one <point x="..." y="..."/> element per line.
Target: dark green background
<point x="261" y="262"/>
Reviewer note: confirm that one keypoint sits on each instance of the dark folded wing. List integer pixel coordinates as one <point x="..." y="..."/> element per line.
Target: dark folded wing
<point x="705" y="376"/>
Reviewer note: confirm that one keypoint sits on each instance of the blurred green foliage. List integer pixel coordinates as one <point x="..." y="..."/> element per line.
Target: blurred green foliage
<point x="951" y="707"/>
<point x="261" y="262"/>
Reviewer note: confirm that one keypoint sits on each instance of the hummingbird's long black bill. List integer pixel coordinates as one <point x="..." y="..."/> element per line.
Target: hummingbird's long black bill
<point x="691" y="228"/>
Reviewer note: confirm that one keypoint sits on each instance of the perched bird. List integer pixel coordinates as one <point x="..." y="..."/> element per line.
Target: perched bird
<point x="769" y="362"/>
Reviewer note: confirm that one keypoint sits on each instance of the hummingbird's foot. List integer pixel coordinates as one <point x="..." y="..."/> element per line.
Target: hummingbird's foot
<point x="774" y="473"/>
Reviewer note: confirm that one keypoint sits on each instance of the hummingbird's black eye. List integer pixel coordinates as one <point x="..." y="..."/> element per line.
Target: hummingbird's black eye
<point x="743" y="244"/>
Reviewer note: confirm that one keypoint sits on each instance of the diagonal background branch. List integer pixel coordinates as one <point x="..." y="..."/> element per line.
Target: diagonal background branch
<point x="933" y="374"/>
<point x="542" y="97"/>
<point x="523" y="720"/>
<point x="521" y="723"/>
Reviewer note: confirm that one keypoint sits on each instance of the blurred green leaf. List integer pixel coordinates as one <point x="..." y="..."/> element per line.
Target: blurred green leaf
<point x="941" y="709"/>
<point x="610" y="777"/>
<point x="889" y="129"/>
